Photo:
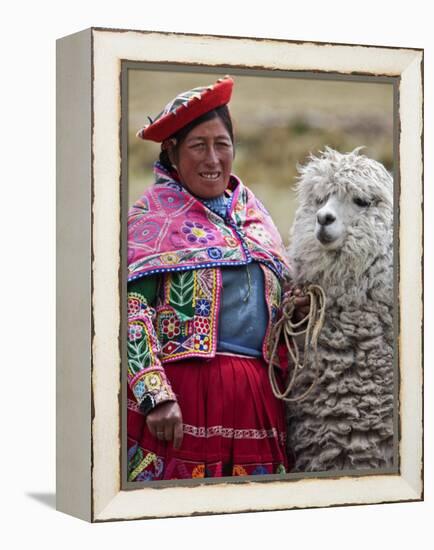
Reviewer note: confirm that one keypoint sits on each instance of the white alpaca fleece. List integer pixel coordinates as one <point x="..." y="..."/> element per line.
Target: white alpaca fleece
<point x="342" y="239"/>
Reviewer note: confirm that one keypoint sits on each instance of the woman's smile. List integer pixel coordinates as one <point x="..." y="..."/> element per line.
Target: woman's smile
<point x="210" y="175"/>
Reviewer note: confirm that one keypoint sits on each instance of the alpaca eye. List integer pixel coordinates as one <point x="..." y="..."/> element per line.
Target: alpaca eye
<point x="361" y="202"/>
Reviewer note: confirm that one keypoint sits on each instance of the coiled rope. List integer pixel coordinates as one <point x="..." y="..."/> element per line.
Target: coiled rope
<point x="291" y="330"/>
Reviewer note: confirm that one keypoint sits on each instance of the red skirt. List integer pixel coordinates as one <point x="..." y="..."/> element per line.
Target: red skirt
<point x="232" y="423"/>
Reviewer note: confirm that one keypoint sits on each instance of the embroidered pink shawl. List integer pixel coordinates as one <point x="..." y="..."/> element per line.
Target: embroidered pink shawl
<point x="171" y="230"/>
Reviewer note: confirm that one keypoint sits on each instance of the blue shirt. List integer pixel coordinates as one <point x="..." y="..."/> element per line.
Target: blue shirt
<point x="243" y="314"/>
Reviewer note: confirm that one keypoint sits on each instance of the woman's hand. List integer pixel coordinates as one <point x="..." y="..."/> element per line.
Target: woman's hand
<point x="165" y="423"/>
<point x="301" y="304"/>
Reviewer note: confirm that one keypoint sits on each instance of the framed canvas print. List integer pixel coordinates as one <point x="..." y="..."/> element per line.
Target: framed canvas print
<point x="239" y="264"/>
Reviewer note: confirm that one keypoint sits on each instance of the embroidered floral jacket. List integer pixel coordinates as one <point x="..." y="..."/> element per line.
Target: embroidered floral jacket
<point x="176" y="249"/>
<point x="174" y="316"/>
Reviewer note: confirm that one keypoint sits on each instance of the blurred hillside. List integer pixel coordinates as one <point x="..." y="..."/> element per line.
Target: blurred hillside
<point x="278" y="122"/>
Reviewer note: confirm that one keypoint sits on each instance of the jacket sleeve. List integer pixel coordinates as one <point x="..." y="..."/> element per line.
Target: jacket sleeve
<point x="146" y="376"/>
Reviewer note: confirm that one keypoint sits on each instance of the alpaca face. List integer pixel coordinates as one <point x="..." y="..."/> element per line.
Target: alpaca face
<point x="344" y="216"/>
<point x="335" y="215"/>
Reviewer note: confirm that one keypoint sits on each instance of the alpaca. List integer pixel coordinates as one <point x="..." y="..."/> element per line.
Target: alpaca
<point x="342" y="239"/>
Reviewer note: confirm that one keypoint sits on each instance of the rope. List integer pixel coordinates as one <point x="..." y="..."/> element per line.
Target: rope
<point x="315" y="322"/>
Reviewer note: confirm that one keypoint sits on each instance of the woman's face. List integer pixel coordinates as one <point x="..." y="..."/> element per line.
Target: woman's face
<point x="204" y="159"/>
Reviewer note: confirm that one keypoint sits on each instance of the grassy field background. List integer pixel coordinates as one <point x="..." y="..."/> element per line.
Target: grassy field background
<point x="278" y="122"/>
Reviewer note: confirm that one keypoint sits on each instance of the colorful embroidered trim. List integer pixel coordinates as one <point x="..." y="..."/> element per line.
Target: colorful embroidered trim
<point x="146" y="376"/>
<point x="147" y="466"/>
<point x="273" y="298"/>
<point x="188" y="326"/>
<point x="232" y="433"/>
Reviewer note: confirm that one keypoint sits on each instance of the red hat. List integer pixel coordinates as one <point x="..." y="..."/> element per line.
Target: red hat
<point x="186" y="107"/>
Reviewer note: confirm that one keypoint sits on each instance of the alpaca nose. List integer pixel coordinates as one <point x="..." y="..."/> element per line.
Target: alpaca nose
<point x="325" y="218"/>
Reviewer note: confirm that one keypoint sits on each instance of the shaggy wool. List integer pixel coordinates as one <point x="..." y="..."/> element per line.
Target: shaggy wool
<point x="347" y="421"/>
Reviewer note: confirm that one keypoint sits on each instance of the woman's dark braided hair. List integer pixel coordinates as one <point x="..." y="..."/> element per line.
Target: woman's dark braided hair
<point x="221" y="112"/>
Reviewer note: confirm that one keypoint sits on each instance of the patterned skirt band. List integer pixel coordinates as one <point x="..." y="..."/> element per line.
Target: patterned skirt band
<point x="232" y="424"/>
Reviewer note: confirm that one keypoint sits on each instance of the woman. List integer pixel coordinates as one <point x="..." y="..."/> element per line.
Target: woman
<point x="206" y="270"/>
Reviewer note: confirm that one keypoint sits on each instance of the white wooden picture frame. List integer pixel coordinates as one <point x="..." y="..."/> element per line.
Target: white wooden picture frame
<point x="91" y="278"/>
